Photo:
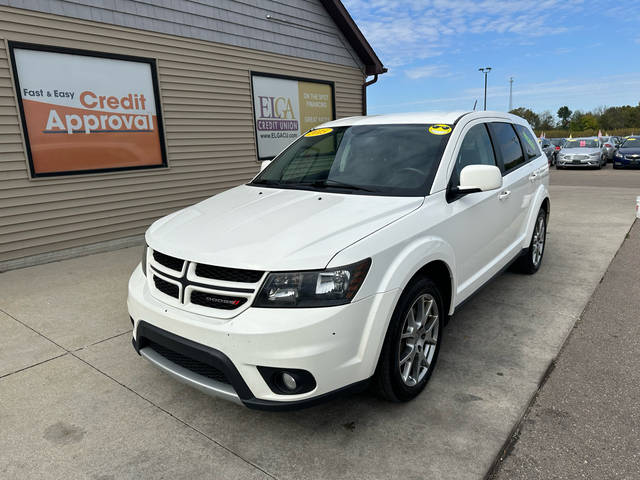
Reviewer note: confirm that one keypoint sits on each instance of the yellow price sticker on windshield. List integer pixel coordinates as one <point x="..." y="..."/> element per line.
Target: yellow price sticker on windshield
<point x="440" y="129"/>
<point x="318" y="132"/>
<point x="630" y="138"/>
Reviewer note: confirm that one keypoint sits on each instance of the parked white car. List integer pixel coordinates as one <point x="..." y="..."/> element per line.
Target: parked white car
<point x="340" y="263"/>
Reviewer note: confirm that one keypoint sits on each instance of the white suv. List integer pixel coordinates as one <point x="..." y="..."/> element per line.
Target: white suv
<point x="339" y="264"/>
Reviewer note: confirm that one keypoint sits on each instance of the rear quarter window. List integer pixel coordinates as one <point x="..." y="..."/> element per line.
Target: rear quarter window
<point x="529" y="143"/>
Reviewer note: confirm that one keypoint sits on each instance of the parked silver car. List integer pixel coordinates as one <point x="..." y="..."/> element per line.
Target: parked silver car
<point x="581" y="152"/>
<point x="548" y="148"/>
<point x="609" y="147"/>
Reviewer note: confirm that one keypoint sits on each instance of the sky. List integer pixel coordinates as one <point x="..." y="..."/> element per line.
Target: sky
<point x="580" y="53"/>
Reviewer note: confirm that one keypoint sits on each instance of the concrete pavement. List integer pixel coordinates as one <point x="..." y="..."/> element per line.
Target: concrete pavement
<point x="81" y="404"/>
<point x="585" y="421"/>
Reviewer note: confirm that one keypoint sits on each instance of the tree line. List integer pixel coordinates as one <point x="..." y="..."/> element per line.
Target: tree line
<point x="616" y="119"/>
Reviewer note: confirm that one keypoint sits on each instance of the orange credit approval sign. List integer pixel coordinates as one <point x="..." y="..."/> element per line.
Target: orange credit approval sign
<point x="84" y="113"/>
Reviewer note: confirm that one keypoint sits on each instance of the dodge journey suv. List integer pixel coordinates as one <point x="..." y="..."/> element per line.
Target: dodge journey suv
<point x="339" y="264"/>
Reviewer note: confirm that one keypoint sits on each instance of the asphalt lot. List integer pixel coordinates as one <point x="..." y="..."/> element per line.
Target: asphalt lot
<point x="77" y="402"/>
<point x="606" y="177"/>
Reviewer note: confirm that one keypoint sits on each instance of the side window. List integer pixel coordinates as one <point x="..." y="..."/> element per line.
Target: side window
<point x="507" y="143"/>
<point x="529" y="142"/>
<point x="476" y="149"/>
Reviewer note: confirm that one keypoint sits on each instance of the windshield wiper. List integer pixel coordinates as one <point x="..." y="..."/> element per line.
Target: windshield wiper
<point x="337" y="184"/>
<point x="317" y="183"/>
<point x="265" y="182"/>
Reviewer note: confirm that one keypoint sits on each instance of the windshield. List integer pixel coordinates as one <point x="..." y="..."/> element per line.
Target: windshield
<point x="582" y="143"/>
<point x="557" y="141"/>
<point x="632" y="142"/>
<point x="398" y="160"/>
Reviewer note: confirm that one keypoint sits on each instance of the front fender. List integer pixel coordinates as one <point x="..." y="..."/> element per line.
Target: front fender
<point x="394" y="267"/>
<point x="413" y="257"/>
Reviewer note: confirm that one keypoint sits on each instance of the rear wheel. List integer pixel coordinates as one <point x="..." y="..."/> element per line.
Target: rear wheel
<point x="531" y="260"/>
<point x="412" y="343"/>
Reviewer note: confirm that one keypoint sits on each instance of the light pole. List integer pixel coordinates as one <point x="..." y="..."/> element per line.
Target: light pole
<point x="486" y="71"/>
<point x="510" y="93"/>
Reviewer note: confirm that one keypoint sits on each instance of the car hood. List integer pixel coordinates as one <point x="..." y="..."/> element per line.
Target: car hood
<point x="274" y="229"/>
<point x="629" y="151"/>
<point x="580" y="151"/>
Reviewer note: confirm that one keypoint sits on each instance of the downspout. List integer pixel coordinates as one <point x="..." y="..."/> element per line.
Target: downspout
<point x="364" y="93"/>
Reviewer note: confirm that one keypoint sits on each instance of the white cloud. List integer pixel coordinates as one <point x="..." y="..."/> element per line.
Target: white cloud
<point x="407" y="32"/>
<point x="428" y="71"/>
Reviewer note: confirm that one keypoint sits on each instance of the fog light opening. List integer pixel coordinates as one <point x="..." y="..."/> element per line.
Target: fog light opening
<point x="289" y="381"/>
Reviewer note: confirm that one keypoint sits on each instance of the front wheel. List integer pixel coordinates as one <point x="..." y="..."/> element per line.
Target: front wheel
<point x="412" y="343"/>
<point x="531" y="260"/>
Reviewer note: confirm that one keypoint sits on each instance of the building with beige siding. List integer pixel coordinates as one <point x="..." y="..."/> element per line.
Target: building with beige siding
<point x="114" y="113"/>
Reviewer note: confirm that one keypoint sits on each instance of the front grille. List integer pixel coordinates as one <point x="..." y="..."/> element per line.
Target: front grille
<point x="216" y="301"/>
<point x="168" y="261"/>
<point x="167" y="288"/>
<point x="188" y="363"/>
<point x="228" y="274"/>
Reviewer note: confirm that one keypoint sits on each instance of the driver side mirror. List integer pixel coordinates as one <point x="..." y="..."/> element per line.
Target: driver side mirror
<point x="264" y="164"/>
<point x="480" y="178"/>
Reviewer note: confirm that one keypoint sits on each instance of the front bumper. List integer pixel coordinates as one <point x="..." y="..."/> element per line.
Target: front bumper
<point x="625" y="162"/>
<point x="338" y="345"/>
<point x="590" y="162"/>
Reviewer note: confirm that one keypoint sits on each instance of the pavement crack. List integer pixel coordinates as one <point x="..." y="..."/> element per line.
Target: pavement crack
<point x="34" y="365"/>
<point x="103" y="340"/>
<point x="33" y="330"/>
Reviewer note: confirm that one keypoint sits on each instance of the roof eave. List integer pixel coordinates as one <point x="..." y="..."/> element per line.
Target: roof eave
<point x="346" y="24"/>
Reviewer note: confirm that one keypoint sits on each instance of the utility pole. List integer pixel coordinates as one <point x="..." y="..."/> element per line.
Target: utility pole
<point x="486" y="71"/>
<point x="510" y="93"/>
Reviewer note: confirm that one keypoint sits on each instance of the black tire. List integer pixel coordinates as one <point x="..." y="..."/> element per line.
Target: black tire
<point x="616" y="167"/>
<point x="388" y="380"/>
<point x="526" y="263"/>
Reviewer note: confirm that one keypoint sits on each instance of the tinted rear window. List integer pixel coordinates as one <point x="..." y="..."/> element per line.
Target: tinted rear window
<point x="506" y="141"/>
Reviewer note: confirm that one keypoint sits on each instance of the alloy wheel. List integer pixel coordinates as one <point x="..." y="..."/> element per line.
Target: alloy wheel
<point x="418" y="340"/>
<point x="538" y="241"/>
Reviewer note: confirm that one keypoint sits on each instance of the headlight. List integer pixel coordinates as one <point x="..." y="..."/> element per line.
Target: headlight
<point x="619" y="155"/>
<point x="594" y="154"/>
<point x="317" y="288"/>
<point x="144" y="260"/>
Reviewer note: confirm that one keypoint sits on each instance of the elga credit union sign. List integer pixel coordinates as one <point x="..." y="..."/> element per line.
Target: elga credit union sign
<point x="285" y="108"/>
<point x="86" y="112"/>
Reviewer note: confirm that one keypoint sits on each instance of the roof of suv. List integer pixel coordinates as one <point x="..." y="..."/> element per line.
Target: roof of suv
<point x="448" y="118"/>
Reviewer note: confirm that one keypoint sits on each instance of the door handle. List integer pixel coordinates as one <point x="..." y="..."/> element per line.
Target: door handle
<point x="504" y="194"/>
<point x="533" y="176"/>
